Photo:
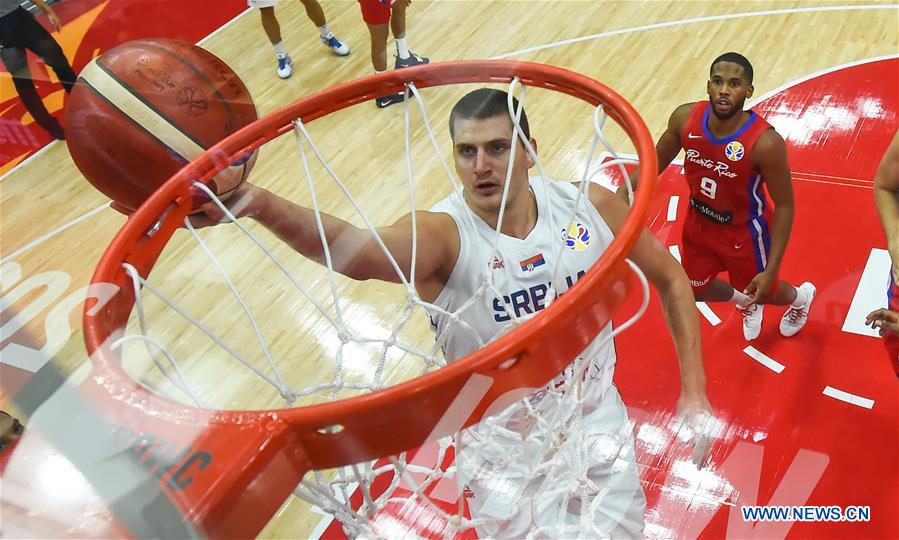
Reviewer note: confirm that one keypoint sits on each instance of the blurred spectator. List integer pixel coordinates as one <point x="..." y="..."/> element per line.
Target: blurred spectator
<point x="19" y="31"/>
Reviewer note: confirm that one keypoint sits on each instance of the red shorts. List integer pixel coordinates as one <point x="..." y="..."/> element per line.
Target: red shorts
<point x="375" y="11"/>
<point x="710" y="248"/>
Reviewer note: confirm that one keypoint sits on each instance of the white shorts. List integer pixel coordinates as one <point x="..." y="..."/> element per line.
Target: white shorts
<point x="261" y="3"/>
<point x="508" y="500"/>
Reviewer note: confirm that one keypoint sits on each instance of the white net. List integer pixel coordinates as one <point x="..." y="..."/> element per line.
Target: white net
<point x="244" y="322"/>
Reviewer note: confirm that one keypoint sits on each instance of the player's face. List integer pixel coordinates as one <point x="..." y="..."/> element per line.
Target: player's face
<point x="481" y="150"/>
<point x="728" y="89"/>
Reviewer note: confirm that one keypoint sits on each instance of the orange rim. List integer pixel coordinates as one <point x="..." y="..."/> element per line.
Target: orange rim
<point x="272" y="449"/>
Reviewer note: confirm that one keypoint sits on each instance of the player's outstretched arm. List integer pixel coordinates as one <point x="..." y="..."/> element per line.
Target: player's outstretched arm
<point x="354" y="251"/>
<point x="770" y="158"/>
<point x="667" y="147"/>
<point x="886" y="198"/>
<point x="678" y="303"/>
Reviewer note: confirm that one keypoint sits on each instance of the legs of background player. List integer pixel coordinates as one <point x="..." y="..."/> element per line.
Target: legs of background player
<point x="20" y="31"/>
<point x="17" y="64"/>
<point x="378" y="34"/>
<point x="742" y="252"/>
<point x="317" y="15"/>
<point x="799" y="299"/>
<point x="273" y="30"/>
<point x="722" y="291"/>
<point x="404" y="57"/>
<point x="378" y="17"/>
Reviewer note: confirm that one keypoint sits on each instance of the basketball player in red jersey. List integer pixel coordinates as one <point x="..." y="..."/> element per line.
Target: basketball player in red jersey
<point x="731" y="157"/>
<point x="886" y="198"/>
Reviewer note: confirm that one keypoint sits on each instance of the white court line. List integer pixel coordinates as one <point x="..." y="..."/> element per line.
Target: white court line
<point x="763" y="359"/>
<point x="226" y="25"/>
<point x="703" y="308"/>
<point x="672" y="207"/>
<point x="675" y="251"/>
<point x="852" y="399"/>
<point x="870" y="294"/>
<point x="40" y="240"/>
<point x="681" y="22"/>
<point x="707" y="312"/>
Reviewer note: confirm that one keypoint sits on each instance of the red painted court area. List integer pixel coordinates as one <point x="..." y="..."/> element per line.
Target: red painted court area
<point x="782" y="440"/>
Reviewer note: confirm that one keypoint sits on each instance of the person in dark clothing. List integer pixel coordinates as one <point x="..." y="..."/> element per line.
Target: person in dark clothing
<point x="20" y="31"/>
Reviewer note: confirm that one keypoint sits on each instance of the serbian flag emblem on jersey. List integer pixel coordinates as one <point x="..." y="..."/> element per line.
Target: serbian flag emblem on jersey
<point x="531" y="263"/>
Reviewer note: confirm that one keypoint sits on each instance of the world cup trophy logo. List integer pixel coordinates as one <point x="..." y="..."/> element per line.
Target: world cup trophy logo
<point x="576" y="236"/>
<point x="734" y="151"/>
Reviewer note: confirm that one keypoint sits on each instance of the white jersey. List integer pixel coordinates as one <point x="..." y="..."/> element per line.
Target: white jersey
<point x="524" y="271"/>
<point x="519" y="464"/>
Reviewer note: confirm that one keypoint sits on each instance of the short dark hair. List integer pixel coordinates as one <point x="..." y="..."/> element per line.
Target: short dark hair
<point x="736" y="58"/>
<point x="486" y="103"/>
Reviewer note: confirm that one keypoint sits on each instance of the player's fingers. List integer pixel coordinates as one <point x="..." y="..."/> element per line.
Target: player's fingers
<point x="199" y="221"/>
<point x="120" y="209"/>
<point x="702" y="450"/>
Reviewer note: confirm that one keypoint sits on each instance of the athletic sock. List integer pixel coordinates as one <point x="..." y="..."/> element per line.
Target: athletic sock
<point x="323" y="30"/>
<point x="279" y="48"/>
<point x="801" y="298"/>
<point x="739" y="298"/>
<point x="402" y="48"/>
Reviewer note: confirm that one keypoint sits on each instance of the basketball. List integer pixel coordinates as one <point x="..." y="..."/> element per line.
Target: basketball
<point x="141" y="111"/>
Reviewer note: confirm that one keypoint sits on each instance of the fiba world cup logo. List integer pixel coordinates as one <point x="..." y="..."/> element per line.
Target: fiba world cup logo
<point x="734" y="151"/>
<point x="576" y="236"/>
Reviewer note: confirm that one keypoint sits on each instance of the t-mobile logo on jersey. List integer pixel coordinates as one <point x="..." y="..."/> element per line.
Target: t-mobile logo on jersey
<point x="723" y="169"/>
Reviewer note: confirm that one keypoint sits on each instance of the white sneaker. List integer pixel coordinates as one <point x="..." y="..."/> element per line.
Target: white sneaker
<point x="337" y="47"/>
<point x="285" y="65"/>
<point x="795" y="318"/>
<point x="752" y="320"/>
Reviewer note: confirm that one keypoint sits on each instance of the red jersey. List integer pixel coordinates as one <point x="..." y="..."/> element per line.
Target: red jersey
<point x="724" y="188"/>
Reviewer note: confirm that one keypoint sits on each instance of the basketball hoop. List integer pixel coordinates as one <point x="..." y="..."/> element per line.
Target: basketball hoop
<point x="252" y="460"/>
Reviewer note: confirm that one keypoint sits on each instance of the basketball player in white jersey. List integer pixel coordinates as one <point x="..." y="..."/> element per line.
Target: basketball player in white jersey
<point x="453" y="256"/>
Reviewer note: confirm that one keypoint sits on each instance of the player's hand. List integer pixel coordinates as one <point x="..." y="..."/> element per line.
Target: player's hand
<point x="54" y="19"/>
<point x="694" y="426"/>
<point x="238" y="204"/>
<point x="760" y="286"/>
<point x="884" y="319"/>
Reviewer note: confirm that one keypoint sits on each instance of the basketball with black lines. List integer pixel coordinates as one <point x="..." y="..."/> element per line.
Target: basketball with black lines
<point x="143" y="110"/>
